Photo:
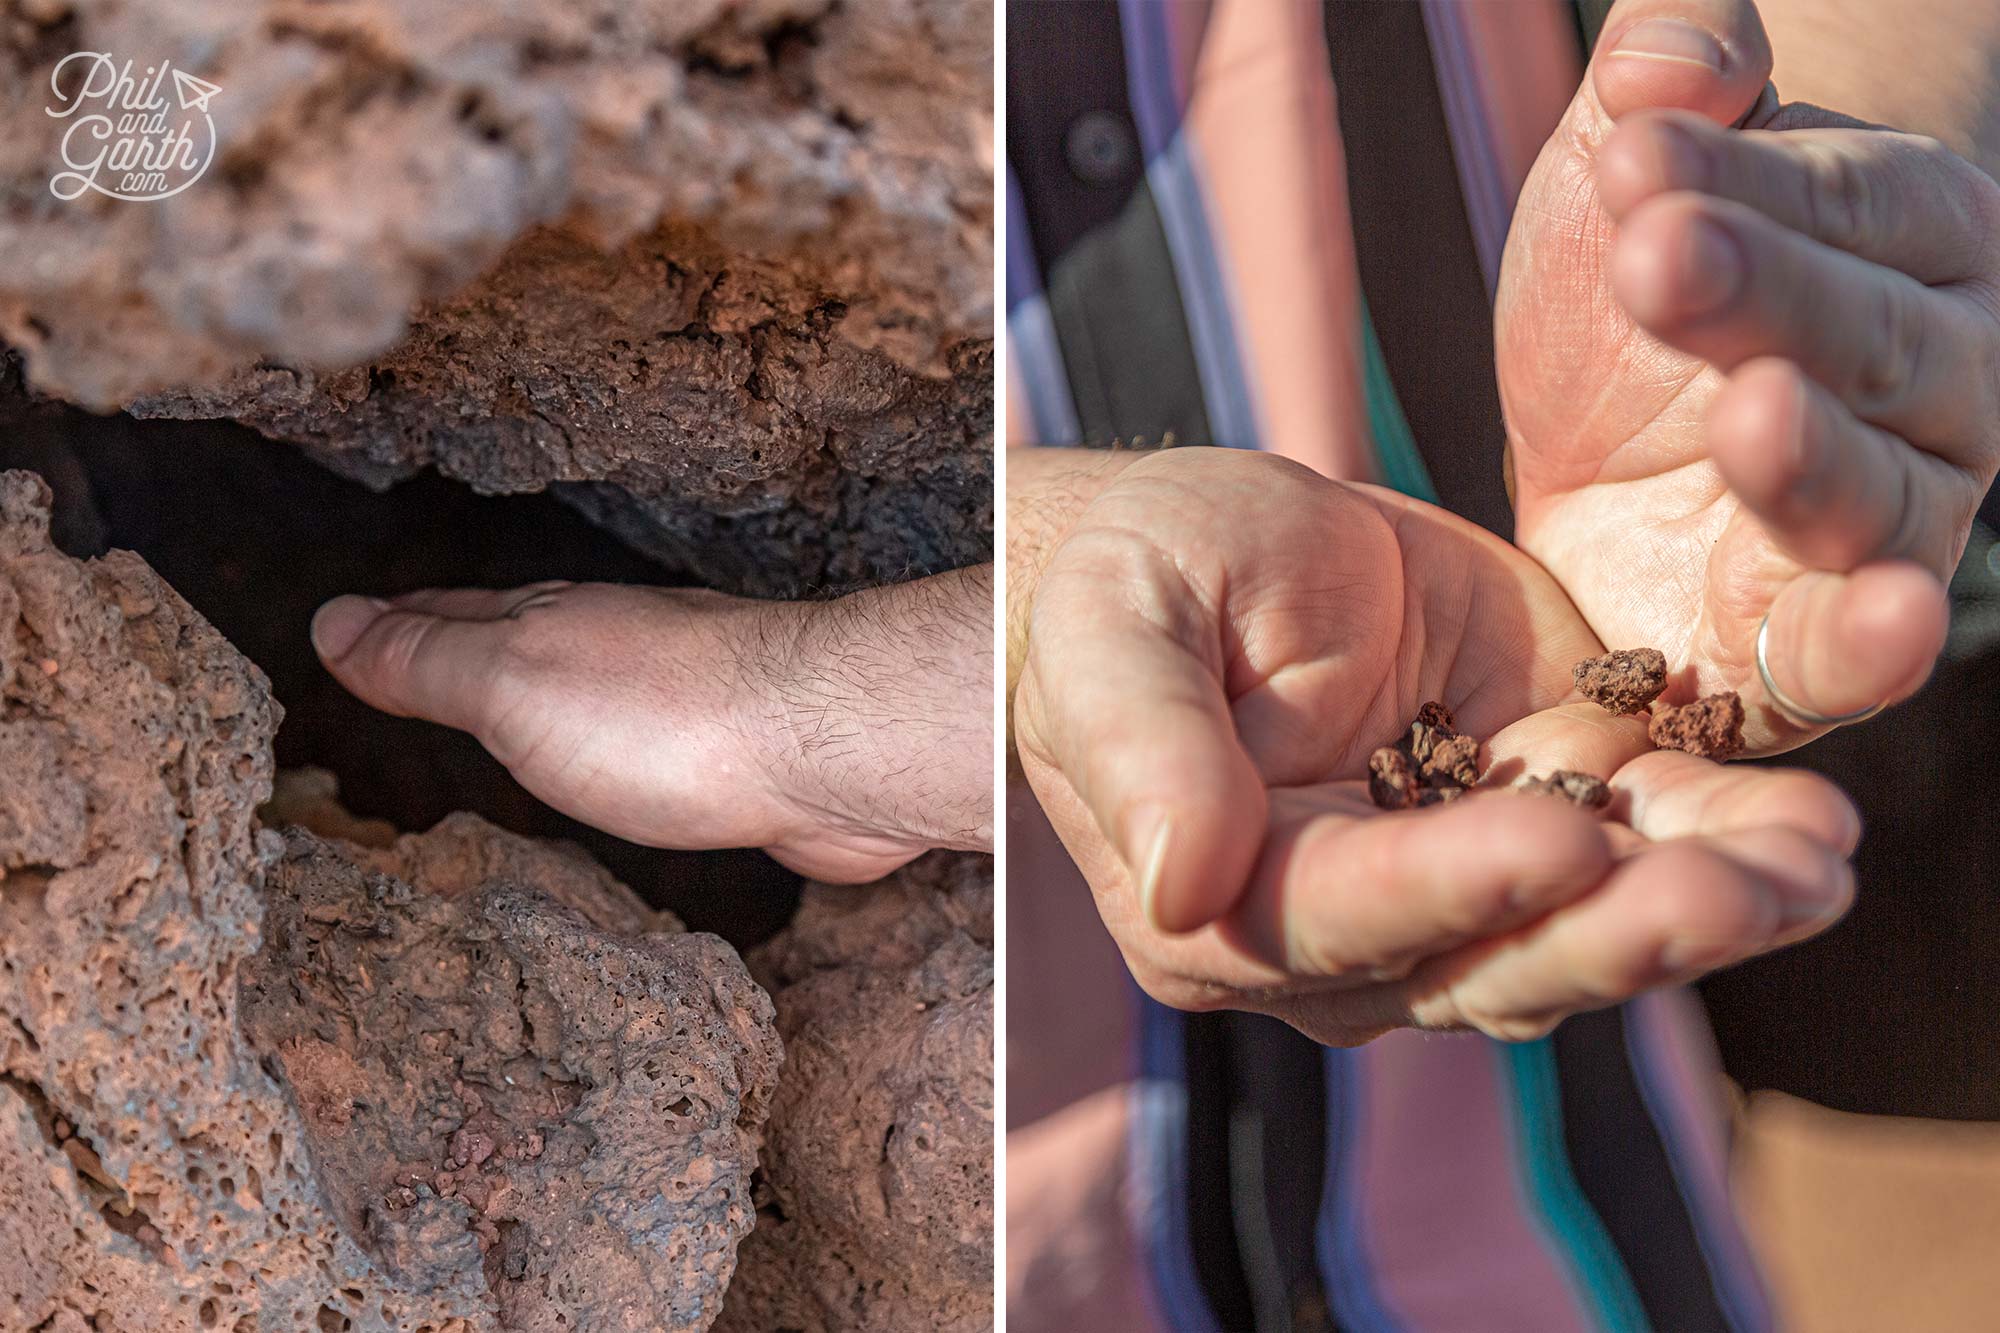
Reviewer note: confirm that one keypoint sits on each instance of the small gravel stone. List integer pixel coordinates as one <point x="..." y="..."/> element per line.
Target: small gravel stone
<point x="1625" y="681"/>
<point x="1710" y="727"/>
<point x="1584" y="789"/>
<point x="1392" y="779"/>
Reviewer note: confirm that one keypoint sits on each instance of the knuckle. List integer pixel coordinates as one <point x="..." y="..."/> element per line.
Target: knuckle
<point x="1842" y="204"/>
<point x="1888" y="366"/>
<point x="1726" y="921"/>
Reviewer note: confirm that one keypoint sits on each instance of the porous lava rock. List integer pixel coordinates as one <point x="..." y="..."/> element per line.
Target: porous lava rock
<point x="254" y="1081"/>
<point x="1710" y="727"/>
<point x="506" y="1103"/>
<point x="728" y="258"/>
<point x="878" y="1178"/>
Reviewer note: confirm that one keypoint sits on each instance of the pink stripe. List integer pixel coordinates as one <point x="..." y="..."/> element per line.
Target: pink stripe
<point x="1443" y="1220"/>
<point x="1505" y="74"/>
<point x="1264" y="133"/>
<point x="1675" y="1033"/>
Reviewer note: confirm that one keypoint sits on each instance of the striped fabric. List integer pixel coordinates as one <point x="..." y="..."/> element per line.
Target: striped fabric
<point x="1571" y="1184"/>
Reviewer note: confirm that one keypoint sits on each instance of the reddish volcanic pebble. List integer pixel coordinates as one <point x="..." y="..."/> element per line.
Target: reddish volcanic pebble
<point x="1432" y="764"/>
<point x="1584" y="789"/>
<point x="1454" y="760"/>
<point x="1392" y="779"/>
<point x="1624" y="681"/>
<point x="1710" y="727"/>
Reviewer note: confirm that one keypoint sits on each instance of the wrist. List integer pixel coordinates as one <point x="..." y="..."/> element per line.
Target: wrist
<point x="875" y="715"/>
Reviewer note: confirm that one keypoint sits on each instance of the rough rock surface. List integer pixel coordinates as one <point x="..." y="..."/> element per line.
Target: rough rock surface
<point x="731" y="256"/>
<point x="176" y="1155"/>
<point x="1624" y="681"/>
<point x="878" y="1177"/>
<point x="507" y="1106"/>
<point x="1710" y="727"/>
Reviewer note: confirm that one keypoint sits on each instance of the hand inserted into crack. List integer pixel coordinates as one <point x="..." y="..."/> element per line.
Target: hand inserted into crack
<point x="844" y="737"/>
<point x="1749" y="372"/>
<point x="1207" y="645"/>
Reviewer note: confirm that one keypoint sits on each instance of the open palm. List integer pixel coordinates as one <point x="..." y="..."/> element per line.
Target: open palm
<point x="1215" y="648"/>
<point x="1747" y="372"/>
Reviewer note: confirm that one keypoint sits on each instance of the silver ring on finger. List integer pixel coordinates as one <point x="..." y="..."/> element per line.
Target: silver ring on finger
<point x="1792" y="708"/>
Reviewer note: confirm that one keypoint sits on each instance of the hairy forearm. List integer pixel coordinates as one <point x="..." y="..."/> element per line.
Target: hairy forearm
<point x="889" y="702"/>
<point x="1926" y="66"/>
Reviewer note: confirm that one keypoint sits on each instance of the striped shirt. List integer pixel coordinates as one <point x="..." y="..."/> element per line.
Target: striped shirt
<point x="1206" y="243"/>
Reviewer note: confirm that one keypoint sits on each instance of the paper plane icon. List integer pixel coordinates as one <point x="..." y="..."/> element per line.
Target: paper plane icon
<point x="193" y="92"/>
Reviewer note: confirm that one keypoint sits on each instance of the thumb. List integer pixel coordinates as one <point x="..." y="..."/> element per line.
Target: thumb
<point x="1137" y="724"/>
<point x="1706" y="56"/>
<point x="431" y="655"/>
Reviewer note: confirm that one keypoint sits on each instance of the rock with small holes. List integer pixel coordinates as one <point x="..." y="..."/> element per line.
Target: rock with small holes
<point x="723" y="264"/>
<point x="877" y="1199"/>
<point x="460" y="1083"/>
<point x="1711" y="727"/>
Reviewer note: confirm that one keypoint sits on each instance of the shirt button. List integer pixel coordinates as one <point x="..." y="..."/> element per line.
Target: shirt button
<point x="1100" y="148"/>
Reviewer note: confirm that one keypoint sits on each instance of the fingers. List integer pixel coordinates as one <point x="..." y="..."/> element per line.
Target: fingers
<point x="1336" y="896"/>
<point x="1580" y="737"/>
<point x="1668" y="913"/>
<point x="1832" y="490"/>
<point x="1709" y="57"/>
<point x="1727" y="284"/>
<point x="1841" y="643"/>
<point x="1899" y="200"/>
<point x="413" y="662"/>
<point x="1671" y="795"/>
<point x="1117" y="698"/>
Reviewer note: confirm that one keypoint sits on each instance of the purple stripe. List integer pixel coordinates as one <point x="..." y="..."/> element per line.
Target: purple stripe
<point x="1341" y="1242"/>
<point x="1024" y="270"/>
<point x="1151" y="86"/>
<point x="1678" y="1073"/>
<point x="1440" y="1200"/>
<point x="1033" y="345"/>
<point x="1473" y="150"/>
<point x="1158" y="1163"/>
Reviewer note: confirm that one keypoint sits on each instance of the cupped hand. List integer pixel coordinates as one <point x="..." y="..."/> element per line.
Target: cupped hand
<point x="843" y="737"/>
<point x="1748" y="372"/>
<point x="1215" y="646"/>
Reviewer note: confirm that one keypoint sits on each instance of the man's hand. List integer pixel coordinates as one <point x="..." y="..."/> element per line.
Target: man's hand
<point x="1749" y="372"/>
<point x="1215" y="641"/>
<point x="843" y="737"/>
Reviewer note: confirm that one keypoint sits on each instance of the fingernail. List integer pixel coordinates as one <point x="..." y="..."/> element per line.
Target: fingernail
<point x="1670" y="40"/>
<point x="1687" y="956"/>
<point x="340" y="622"/>
<point x="1146" y="848"/>
<point x="1714" y="269"/>
<point x="1817" y="906"/>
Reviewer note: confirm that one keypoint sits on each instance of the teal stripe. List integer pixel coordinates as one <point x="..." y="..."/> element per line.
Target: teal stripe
<point x="1566" y="1215"/>
<point x="1395" y="448"/>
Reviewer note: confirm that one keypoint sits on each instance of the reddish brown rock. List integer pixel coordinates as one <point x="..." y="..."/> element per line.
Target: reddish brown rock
<point x="1431" y="765"/>
<point x="1710" y="727"/>
<point x="1584" y="789"/>
<point x="730" y="258"/>
<point x="878" y="1207"/>
<point x="1625" y="681"/>
<point x="554" y="1122"/>
<point x="1452" y="761"/>
<point x="176" y="1155"/>
<point x="1392" y="779"/>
